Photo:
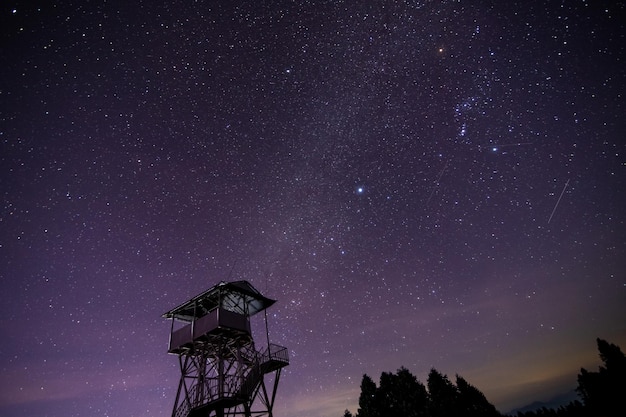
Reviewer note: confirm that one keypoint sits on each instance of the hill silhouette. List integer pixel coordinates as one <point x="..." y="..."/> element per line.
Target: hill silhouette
<point x="552" y="403"/>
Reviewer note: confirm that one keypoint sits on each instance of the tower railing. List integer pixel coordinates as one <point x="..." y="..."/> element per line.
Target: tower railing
<point x="275" y="354"/>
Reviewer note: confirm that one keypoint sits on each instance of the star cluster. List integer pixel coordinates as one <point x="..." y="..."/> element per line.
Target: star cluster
<point x="418" y="183"/>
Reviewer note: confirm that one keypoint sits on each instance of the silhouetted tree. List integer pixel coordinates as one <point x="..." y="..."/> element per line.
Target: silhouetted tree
<point x="414" y="400"/>
<point x="401" y="394"/>
<point x="603" y="392"/>
<point x="444" y="396"/>
<point x="367" y="400"/>
<point x="472" y="402"/>
<point x="387" y="397"/>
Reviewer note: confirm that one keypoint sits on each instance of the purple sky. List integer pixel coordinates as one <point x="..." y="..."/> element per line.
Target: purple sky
<point x="418" y="183"/>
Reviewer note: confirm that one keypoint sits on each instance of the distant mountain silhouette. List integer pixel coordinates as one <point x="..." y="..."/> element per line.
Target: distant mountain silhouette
<point x="553" y="403"/>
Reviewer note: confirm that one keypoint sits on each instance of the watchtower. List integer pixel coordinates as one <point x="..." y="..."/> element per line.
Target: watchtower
<point x="222" y="372"/>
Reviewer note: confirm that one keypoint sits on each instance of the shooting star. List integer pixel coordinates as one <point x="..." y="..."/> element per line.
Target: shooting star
<point x="437" y="181"/>
<point x="559" y="200"/>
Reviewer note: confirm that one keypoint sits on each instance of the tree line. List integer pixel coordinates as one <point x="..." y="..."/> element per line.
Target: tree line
<point x="400" y="394"/>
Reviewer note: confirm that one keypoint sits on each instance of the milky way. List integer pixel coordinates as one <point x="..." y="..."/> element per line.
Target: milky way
<point x="418" y="183"/>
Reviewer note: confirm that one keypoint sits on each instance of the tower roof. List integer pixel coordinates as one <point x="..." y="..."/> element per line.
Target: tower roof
<point x="237" y="296"/>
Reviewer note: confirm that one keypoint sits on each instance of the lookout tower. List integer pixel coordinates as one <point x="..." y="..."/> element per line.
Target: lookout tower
<point x="222" y="372"/>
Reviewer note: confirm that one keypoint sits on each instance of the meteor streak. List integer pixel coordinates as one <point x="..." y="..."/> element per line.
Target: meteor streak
<point x="558" y="201"/>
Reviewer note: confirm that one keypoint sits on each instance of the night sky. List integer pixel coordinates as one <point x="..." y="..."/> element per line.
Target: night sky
<point x="418" y="183"/>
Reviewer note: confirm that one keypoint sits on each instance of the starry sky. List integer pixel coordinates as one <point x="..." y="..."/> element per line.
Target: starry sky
<point x="418" y="183"/>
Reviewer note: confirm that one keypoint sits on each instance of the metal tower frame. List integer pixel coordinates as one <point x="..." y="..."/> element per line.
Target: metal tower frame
<point x="222" y="372"/>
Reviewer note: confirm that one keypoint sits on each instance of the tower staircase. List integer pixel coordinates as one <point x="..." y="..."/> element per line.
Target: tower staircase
<point x="205" y="398"/>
